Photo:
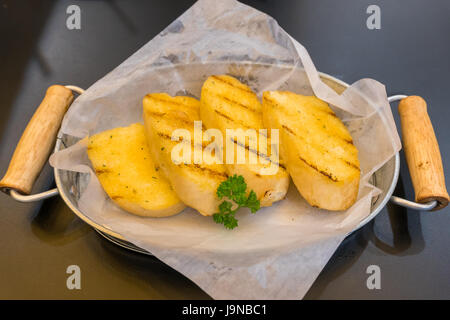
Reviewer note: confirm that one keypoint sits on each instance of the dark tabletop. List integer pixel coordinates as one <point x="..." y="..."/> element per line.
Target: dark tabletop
<point x="409" y="54"/>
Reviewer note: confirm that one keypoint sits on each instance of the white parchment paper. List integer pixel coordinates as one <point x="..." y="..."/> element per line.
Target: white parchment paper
<point x="279" y="252"/>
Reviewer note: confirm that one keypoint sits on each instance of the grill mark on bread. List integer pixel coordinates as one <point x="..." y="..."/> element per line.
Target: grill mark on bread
<point x="193" y="146"/>
<point x="349" y="141"/>
<point x="173" y="102"/>
<point x="101" y="171"/>
<point x="351" y="164"/>
<point x="165" y="135"/>
<point x="233" y="101"/>
<point x="237" y="102"/>
<point x="276" y="104"/>
<point x="240" y="123"/>
<point x="206" y="170"/>
<point x="196" y="166"/>
<point x="223" y="115"/>
<point x="231" y="119"/>
<point x="325" y="173"/>
<point x="273" y="103"/>
<point x="315" y="147"/>
<point x="180" y="139"/>
<point x="245" y="89"/>
<point x="172" y="117"/>
<point x="288" y="130"/>
<point x="328" y="112"/>
<point x="258" y="153"/>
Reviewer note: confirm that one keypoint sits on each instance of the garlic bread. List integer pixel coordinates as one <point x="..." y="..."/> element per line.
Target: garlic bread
<point x="227" y="103"/>
<point x="122" y="162"/>
<point x="195" y="183"/>
<point x="317" y="147"/>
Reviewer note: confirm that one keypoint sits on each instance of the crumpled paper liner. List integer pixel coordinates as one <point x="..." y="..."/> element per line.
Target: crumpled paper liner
<point x="278" y="252"/>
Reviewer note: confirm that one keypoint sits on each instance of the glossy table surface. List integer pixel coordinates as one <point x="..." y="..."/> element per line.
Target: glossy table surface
<point x="409" y="54"/>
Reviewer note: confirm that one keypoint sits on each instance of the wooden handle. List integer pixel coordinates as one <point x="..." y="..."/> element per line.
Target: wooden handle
<point x="422" y="152"/>
<point x="37" y="141"/>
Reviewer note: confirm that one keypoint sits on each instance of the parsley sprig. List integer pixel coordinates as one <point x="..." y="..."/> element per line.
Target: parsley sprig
<point x="234" y="189"/>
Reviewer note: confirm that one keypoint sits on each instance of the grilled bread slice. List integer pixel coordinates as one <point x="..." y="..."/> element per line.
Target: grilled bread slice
<point x="195" y="184"/>
<point x="122" y="163"/>
<point x="317" y="148"/>
<point x="226" y="103"/>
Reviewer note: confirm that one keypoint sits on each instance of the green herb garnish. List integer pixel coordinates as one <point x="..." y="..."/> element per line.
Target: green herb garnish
<point x="234" y="188"/>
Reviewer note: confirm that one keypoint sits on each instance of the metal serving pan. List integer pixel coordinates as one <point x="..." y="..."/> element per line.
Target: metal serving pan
<point x="36" y="143"/>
